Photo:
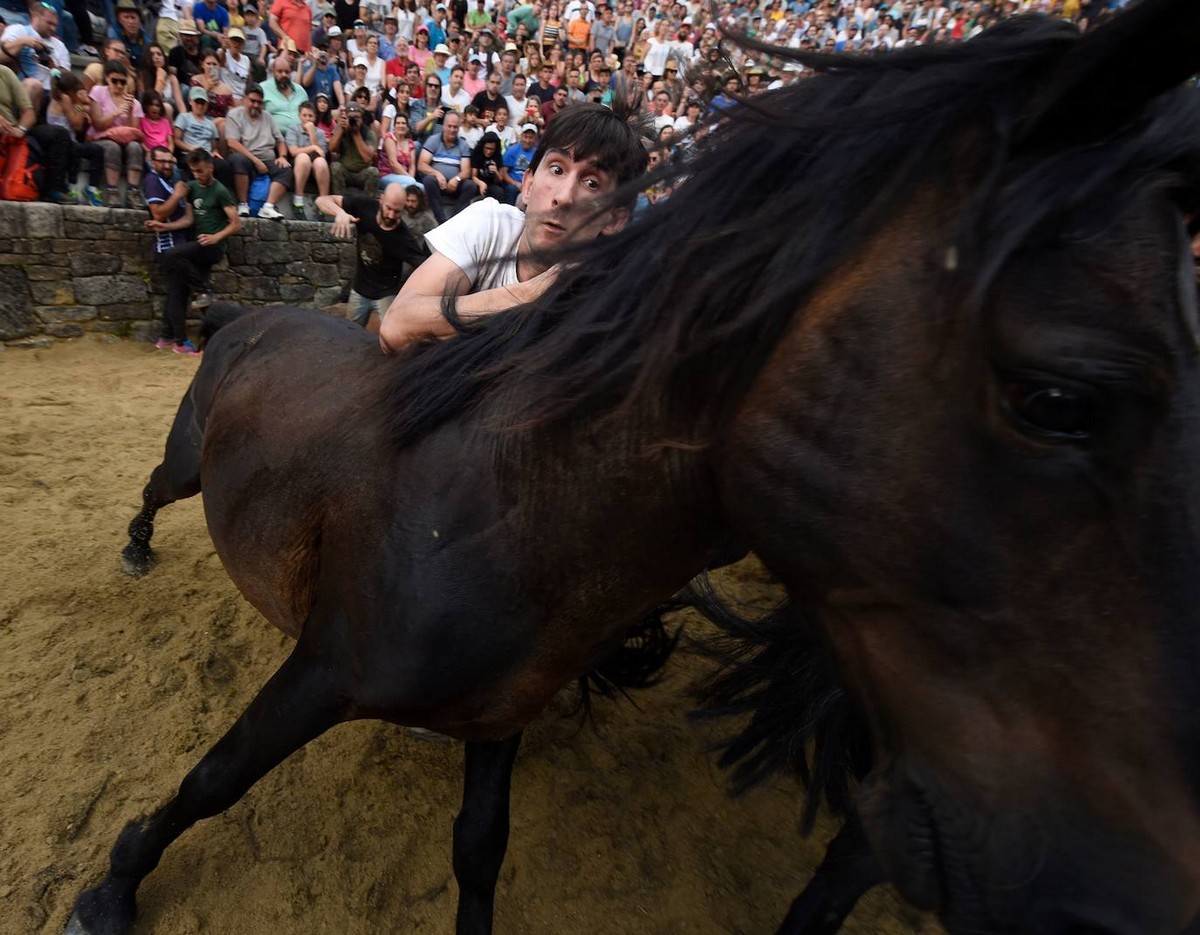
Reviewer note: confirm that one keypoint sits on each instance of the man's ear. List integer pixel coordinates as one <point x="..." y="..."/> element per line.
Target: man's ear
<point x="617" y="219"/>
<point x="526" y="183"/>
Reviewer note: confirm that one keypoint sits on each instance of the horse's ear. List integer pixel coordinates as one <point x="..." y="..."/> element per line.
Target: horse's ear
<point x="1113" y="71"/>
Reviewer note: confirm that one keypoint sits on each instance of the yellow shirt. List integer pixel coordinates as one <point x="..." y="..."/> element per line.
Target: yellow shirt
<point x="13" y="97"/>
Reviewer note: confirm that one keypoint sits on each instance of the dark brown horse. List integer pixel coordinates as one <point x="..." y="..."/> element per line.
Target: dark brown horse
<point x="926" y="344"/>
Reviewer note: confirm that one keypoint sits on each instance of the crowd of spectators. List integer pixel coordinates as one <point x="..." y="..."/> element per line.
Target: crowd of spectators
<point x="302" y="96"/>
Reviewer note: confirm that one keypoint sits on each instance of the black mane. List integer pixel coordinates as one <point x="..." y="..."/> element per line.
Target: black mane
<point x="773" y="200"/>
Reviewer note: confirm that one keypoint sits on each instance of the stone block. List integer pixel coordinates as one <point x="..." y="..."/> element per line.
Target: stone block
<point x="135" y="263"/>
<point x="325" y="252"/>
<point x="17" y="318"/>
<point x="92" y="242"/>
<point x="296" y="293"/>
<point x="144" y="330"/>
<point x="95" y="262"/>
<point x="6" y="246"/>
<point x="263" y="231"/>
<point x="12" y="219"/>
<point x="60" y="314"/>
<point x="126" y="219"/>
<point x="64" y="330"/>
<point x="84" y="220"/>
<point x="118" y="288"/>
<point x="310" y="233"/>
<point x="126" y="311"/>
<point x="330" y="295"/>
<point x="43" y="220"/>
<point x="225" y="282"/>
<point x="235" y="250"/>
<point x="13" y="259"/>
<point x="259" y="288"/>
<point x="278" y="252"/>
<point x="45" y="273"/>
<point x="31" y="342"/>
<point x="54" y="293"/>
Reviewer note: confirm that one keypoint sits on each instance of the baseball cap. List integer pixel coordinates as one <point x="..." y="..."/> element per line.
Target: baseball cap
<point x="236" y="33"/>
<point x="333" y="31"/>
<point x="360" y="60"/>
<point x="441" y="49"/>
<point x="529" y="128"/>
<point x="353" y="107"/>
<point x="358" y="23"/>
<point x="197" y="94"/>
<point x="511" y="47"/>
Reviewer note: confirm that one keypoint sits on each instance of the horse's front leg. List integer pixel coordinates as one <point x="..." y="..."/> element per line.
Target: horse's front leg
<point x="481" y="831"/>
<point x="300" y="702"/>
<point x="847" y="872"/>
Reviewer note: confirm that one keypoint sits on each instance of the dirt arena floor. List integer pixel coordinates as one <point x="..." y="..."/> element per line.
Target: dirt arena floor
<point x="113" y="687"/>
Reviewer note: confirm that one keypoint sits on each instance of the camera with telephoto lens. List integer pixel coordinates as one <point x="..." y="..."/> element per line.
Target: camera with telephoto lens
<point x="43" y="56"/>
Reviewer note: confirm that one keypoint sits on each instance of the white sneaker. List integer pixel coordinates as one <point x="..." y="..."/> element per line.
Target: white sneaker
<point x="268" y="212"/>
<point x="243" y="210"/>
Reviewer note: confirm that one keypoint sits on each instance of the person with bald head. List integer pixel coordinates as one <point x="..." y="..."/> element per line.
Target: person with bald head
<point x="387" y="250"/>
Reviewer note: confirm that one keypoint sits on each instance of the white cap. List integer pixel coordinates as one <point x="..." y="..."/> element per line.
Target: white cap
<point x="441" y="49"/>
<point x="529" y="128"/>
<point x="360" y="60"/>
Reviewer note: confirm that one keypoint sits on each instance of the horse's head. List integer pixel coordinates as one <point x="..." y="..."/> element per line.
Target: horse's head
<point x="975" y="452"/>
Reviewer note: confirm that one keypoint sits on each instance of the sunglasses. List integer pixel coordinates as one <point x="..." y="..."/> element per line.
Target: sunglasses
<point x="432" y="84"/>
<point x="119" y="82"/>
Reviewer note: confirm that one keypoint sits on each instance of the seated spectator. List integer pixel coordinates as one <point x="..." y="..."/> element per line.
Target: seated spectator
<point x="212" y="19"/>
<point x="196" y="129"/>
<point x="487" y="168"/>
<point x="517" y="159"/>
<point x="556" y="105"/>
<point x="417" y="216"/>
<point x="454" y="95"/>
<point x="356" y="145"/>
<point x="473" y="81"/>
<point x="66" y="109"/>
<point x="34" y="49"/>
<point x="257" y="43"/>
<point x="309" y="149"/>
<point x="155" y="124"/>
<point x="235" y="63"/>
<point x="321" y="74"/>
<point x="471" y="130"/>
<point x="396" y="101"/>
<point x="376" y="67"/>
<point x="419" y="52"/>
<point x="487" y="100"/>
<point x="358" y="82"/>
<point x="130" y="31"/>
<point x="444" y="167"/>
<point x="115" y="116"/>
<point x="220" y="95"/>
<point x="506" y="133"/>
<point x="325" y="115"/>
<point x="292" y="19"/>
<point x="186" y="61"/>
<point x="154" y="75"/>
<point x="282" y="96"/>
<point x="256" y="147"/>
<point x="397" y="155"/>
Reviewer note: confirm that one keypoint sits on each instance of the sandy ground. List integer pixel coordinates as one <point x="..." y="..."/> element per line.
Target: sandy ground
<point x="111" y="688"/>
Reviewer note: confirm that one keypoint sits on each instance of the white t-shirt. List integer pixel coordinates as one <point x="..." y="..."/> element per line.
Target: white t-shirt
<point x="58" y="52"/>
<point x="482" y="240"/>
<point x="235" y="73"/>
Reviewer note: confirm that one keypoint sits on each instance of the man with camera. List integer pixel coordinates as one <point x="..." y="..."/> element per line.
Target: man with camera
<point x="34" y="49"/>
<point x="356" y="146"/>
<point x="321" y="73"/>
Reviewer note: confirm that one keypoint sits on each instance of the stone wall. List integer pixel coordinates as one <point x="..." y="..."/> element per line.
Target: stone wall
<point x="69" y="270"/>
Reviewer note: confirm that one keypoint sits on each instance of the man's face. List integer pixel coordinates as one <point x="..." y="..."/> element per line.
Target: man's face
<point x="412" y="204"/>
<point x="519" y="86"/>
<point x="130" y="22"/>
<point x="528" y="138"/>
<point x="560" y="98"/>
<point x="661" y="103"/>
<point x="508" y="62"/>
<point x="203" y="171"/>
<point x="254" y="104"/>
<point x="573" y="78"/>
<point x="493" y="84"/>
<point x="115" y="52"/>
<point x="391" y="204"/>
<point x="307" y="116"/>
<point x="450" y="126"/>
<point x="546" y="75"/>
<point x="561" y="199"/>
<point x="46" y="23"/>
<point x="281" y="71"/>
<point x="163" y="162"/>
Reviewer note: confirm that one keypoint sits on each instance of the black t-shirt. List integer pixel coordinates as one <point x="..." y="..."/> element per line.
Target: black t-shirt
<point x="487" y="104"/>
<point x="186" y="66"/>
<point x="382" y="254"/>
<point x="488" y="168"/>
<point x="346" y="13"/>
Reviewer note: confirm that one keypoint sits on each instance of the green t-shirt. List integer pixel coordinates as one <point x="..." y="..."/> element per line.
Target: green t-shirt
<point x="208" y="206"/>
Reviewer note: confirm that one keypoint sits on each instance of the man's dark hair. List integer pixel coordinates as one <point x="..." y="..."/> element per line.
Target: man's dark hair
<point x="252" y="87"/>
<point x="199" y="156"/>
<point x="115" y="68"/>
<point x="593" y="131"/>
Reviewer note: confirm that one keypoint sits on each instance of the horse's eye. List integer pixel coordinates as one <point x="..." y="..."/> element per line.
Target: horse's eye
<point x="1056" y="411"/>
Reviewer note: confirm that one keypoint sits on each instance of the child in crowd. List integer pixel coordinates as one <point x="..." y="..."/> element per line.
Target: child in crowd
<point x="155" y="126"/>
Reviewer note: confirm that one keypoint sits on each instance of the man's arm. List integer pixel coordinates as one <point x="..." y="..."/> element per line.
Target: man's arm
<point x="233" y="225"/>
<point x="186" y="220"/>
<point x="417" y="310"/>
<point x="364" y="147"/>
<point x="161" y="210"/>
<point x="343" y="220"/>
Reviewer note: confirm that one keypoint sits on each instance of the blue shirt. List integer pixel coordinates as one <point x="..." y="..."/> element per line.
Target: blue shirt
<point x="156" y="190"/>
<point x="517" y="159"/>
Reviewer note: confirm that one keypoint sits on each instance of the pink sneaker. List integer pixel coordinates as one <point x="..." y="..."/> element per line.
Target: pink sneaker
<point x="188" y="349"/>
<point x="163" y="344"/>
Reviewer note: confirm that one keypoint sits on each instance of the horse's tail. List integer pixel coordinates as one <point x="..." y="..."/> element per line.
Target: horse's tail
<point x="637" y="663"/>
<point x="217" y="316"/>
<point x="778" y="675"/>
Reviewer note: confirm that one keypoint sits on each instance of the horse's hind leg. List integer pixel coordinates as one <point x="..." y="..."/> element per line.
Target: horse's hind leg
<point x="847" y="872"/>
<point x="481" y="831"/>
<point x="177" y="478"/>
<point x="300" y="702"/>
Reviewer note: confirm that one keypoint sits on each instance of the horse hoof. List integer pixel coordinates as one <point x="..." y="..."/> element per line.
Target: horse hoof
<point x="75" y="926"/>
<point x="136" y="562"/>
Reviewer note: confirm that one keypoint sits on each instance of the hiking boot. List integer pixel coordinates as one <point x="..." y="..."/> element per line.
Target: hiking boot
<point x="164" y="344"/>
<point x="136" y="201"/>
<point x="112" y="199"/>
<point x="243" y="210"/>
<point x="67" y="197"/>
<point x="94" y="196"/>
<point x="298" y="208"/>
<point x="268" y="212"/>
<point x="202" y="301"/>
<point x="188" y="349"/>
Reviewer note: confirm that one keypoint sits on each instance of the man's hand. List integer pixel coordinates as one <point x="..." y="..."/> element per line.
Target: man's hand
<point x="207" y="240"/>
<point x="259" y="166"/>
<point x="281" y="161"/>
<point x="531" y="289"/>
<point x="343" y="224"/>
<point x="441" y="180"/>
<point x="153" y="225"/>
